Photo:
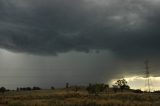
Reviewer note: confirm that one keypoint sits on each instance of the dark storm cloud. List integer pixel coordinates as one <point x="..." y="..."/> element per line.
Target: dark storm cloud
<point x="126" y="27"/>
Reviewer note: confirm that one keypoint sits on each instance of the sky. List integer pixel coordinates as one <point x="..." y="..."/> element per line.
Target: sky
<point x="51" y="42"/>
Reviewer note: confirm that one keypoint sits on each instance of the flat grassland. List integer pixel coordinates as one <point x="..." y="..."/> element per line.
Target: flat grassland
<point x="81" y="98"/>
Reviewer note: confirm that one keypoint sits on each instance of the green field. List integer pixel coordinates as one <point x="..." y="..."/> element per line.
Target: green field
<point x="81" y="98"/>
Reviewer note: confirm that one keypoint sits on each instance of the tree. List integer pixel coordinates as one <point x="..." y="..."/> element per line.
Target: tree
<point x="2" y="89"/>
<point x="96" y="88"/>
<point x="115" y="88"/>
<point x="67" y="85"/>
<point x="18" y="89"/>
<point x="28" y="88"/>
<point x="122" y="84"/>
<point x="102" y="87"/>
<point x="36" y="88"/>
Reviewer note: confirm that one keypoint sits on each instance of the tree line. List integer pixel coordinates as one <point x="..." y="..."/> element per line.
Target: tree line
<point x="119" y="86"/>
<point x="28" y="88"/>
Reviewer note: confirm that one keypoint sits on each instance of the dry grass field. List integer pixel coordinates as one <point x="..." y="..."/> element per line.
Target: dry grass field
<point x="81" y="98"/>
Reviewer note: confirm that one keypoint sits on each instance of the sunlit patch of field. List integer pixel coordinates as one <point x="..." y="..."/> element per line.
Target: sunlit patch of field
<point x="81" y="98"/>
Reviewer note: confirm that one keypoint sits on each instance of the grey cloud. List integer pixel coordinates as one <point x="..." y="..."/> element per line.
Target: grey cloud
<point x="125" y="27"/>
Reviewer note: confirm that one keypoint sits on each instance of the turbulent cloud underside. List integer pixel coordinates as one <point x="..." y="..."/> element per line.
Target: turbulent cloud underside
<point x="125" y="27"/>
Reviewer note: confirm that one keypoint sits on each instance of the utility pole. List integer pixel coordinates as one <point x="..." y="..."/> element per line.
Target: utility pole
<point x="148" y="85"/>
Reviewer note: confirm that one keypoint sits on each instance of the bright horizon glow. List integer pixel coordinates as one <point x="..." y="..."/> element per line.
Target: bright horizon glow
<point x="138" y="82"/>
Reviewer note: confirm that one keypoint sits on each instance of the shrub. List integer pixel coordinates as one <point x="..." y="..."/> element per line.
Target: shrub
<point x="52" y="88"/>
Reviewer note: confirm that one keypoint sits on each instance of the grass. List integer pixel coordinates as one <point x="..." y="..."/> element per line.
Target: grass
<point x="81" y="98"/>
